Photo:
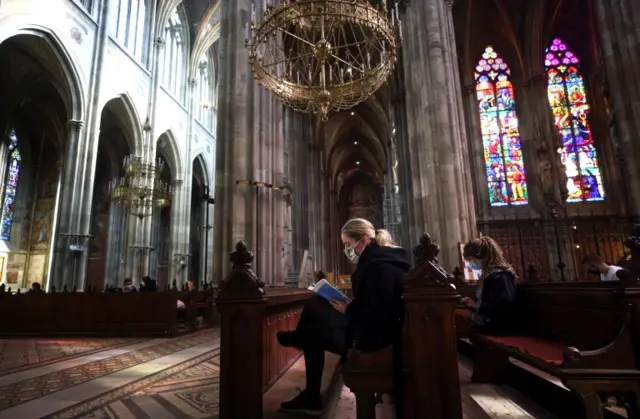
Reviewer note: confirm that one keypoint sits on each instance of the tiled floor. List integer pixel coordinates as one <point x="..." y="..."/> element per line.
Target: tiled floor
<point x="175" y="379"/>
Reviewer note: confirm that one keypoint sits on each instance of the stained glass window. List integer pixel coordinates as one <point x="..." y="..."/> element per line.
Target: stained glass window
<point x="10" y="186"/>
<point x="507" y="182"/>
<point x="570" y="107"/>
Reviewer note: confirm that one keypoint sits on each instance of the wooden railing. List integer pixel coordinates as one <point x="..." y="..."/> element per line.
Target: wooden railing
<point x="97" y="313"/>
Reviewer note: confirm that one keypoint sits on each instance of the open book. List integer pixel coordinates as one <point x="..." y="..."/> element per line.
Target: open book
<point x="328" y="291"/>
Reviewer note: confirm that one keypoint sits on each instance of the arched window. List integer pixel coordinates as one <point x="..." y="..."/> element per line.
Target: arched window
<point x="204" y="92"/>
<point x="10" y="185"/>
<point x="174" y="54"/>
<point x="507" y="182"/>
<point x="128" y="25"/>
<point x="568" y="101"/>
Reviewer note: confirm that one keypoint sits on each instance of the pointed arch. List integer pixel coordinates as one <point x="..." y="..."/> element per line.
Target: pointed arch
<point x="74" y="96"/>
<point x="125" y="109"/>
<point x="206" y="172"/>
<point x="570" y="107"/>
<point x="504" y="163"/>
<point x="168" y="145"/>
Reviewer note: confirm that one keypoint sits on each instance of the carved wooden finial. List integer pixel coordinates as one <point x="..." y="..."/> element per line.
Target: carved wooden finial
<point x="242" y="282"/>
<point x="426" y="249"/>
<point x="427" y="272"/>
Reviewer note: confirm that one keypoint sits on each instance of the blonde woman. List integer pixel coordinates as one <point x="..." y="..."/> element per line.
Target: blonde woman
<point x="371" y="321"/>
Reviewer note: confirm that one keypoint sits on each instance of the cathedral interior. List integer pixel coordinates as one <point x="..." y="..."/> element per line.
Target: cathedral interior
<point x="209" y="151"/>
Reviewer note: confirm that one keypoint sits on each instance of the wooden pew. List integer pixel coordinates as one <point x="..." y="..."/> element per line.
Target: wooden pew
<point x="143" y="313"/>
<point x="251" y="360"/>
<point x="586" y="334"/>
<point x="429" y="356"/>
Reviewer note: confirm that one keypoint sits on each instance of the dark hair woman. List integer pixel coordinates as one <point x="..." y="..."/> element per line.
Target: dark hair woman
<point x="493" y="311"/>
<point x="371" y="321"/>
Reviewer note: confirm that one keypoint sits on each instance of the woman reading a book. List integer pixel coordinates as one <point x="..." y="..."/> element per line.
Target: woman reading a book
<point x="369" y="322"/>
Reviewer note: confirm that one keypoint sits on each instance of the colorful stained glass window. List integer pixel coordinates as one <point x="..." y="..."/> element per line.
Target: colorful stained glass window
<point x="570" y="107"/>
<point x="506" y="178"/>
<point x="10" y="186"/>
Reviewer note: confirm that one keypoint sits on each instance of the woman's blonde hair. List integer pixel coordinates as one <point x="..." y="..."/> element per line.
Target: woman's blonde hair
<point x="357" y="228"/>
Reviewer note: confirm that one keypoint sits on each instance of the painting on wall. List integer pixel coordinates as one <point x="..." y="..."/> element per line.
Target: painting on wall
<point x="99" y="228"/>
<point x="15" y="269"/>
<point x="37" y="269"/>
<point x="362" y="203"/>
<point x="42" y="219"/>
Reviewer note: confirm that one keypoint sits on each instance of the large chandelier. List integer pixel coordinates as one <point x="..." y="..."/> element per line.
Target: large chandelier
<point x="323" y="55"/>
<point x="141" y="189"/>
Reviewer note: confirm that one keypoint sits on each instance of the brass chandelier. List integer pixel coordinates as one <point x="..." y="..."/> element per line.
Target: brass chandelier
<point x="323" y="55"/>
<point x="141" y="189"/>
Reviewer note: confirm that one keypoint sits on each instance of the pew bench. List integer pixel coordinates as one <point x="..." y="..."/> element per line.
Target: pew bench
<point x="600" y="320"/>
<point x="368" y="375"/>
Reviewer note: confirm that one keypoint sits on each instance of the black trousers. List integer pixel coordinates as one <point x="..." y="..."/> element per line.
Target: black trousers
<point x="321" y="328"/>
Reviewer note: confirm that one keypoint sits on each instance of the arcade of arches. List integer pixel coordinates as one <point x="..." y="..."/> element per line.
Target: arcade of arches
<point x="517" y="119"/>
<point x="509" y="126"/>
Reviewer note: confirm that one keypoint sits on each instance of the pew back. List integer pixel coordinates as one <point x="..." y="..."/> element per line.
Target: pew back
<point x="89" y="313"/>
<point x="283" y="310"/>
<point x="587" y="315"/>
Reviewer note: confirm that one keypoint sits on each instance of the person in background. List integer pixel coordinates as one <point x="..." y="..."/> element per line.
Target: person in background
<point x="371" y="321"/>
<point x="128" y="286"/>
<point x="596" y="266"/>
<point x="493" y="311"/>
<point x="36" y="288"/>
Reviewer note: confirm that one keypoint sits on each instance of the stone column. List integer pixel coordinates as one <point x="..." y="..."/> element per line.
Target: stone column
<point x="179" y="223"/>
<point x="441" y="185"/>
<point x="63" y="259"/>
<point x="619" y="33"/>
<point x="249" y="145"/>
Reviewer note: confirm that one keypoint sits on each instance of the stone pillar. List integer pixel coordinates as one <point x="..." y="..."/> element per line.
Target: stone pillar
<point x="63" y="259"/>
<point x="248" y="147"/>
<point x="441" y="184"/>
<point x="619" y="32"/>
<point x="178" y="225"/>
<point x="88" y="154"/>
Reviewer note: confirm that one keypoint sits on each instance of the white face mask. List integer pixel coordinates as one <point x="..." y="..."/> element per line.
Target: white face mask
<point x="351" y="254"/>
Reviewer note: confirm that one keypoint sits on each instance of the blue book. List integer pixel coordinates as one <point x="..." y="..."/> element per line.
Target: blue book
<point x="328" y="291"/>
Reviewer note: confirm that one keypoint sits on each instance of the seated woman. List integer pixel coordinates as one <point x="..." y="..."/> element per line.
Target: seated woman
<point x="371" y="321"/>
<point x="493" y="312"/>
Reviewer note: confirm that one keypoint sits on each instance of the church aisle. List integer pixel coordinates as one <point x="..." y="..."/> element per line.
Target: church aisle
<point x="71" y="387"/>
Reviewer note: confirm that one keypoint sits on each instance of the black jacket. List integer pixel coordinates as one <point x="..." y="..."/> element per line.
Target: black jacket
<point x="375" y="314"/>
<point x="497" y="301"/>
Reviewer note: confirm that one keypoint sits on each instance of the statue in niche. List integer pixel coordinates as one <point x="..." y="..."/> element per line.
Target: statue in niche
<point x="164" y="243"/>
<point x="545" y="174"/>
<point x="362" y="203"/>
<point x="99" y="231"/>
<point x="611" y="118"/>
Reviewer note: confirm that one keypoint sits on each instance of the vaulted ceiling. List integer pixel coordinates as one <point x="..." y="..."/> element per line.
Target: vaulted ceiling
<point x="521" y="30"/>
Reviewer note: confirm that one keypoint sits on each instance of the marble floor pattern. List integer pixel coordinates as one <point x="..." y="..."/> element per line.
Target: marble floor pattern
<point x="171" y="379"/>
<point x="90" y="377"/>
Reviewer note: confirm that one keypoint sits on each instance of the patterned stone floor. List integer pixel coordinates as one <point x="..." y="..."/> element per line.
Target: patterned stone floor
<point x="174" y="379"/>
<point x="20" y="354"/>
<point x="95" y="378"/>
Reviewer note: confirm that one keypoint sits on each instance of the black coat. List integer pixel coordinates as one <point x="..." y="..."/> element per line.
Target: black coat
<point x="375" y="314"/>
<point x="498" y="301"/>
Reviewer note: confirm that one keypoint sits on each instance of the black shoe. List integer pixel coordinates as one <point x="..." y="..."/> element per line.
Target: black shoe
<point x="287" y="338"/>
<point x="303" y="403"/>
